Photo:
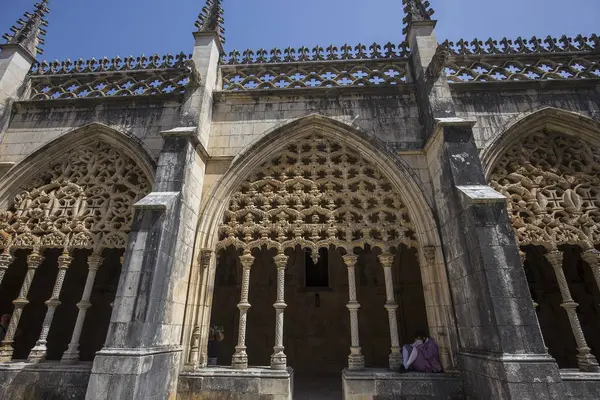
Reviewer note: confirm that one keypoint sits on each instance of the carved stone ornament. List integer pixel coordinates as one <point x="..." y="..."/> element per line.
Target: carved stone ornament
<point x="84" y="198"/>
<point x="553" y="185"/>
<point x="316" y="193"/>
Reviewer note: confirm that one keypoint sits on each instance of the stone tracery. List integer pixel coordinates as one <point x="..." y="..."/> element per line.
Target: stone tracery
<point x="315" y="194"/>
<point x="553" y="183"/>
<point x="82" y="199"/>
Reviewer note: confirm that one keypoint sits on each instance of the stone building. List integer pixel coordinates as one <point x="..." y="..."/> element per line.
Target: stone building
<point x="320" y="205"/>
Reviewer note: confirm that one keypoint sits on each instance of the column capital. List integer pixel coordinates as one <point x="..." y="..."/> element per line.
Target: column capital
<point x="94" y="261"/>
<point x="6" y="258"/>
<point x="386" y="259"/>
<point x="64" y="260"/>
<point x="428" y="255"/>
<point x="247" y="259"/>
<point x="350" y="260"/>
<point x="205" y="257"/>
<point x="34" y="259"/>
<point x="281" y="260"/>
<point x="522" y="255"/>
<point x="591" y="256"/>
<point x="555" y="257"/>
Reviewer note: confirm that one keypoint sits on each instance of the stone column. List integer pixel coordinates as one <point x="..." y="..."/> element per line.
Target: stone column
<point x="386" y="260"/>
<point x="523" y="257"/>
<point x="194" y="358"/>
<point x="592" y="257"/>
<point x="356" y="361"/>
<point x="38" y="353"/>
<point x="278" y="359"/>
<point x="33" y="262"/>
<point x="5" y="260"/>
<point x="240" y="358"/>
<point x="72" y="353"/>
<point x="585" y="360"/>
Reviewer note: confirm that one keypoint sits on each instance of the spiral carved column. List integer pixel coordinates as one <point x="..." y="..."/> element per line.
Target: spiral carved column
<point x="38" y="353"/>
<point x="33" y="262"/>
<point x="5" y="260"/>
<point x="592" y="257"/>
<point x="356" y="361"/>
<point x="72" y="353"/>
<point x="395" y="359"/>
<point x="585" y="360"/>
<point x="279" y="359"/>
<point x="240" y="357"/>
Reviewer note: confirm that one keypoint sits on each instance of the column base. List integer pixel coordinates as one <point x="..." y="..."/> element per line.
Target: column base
<point x="356" y="361"/>
<point x="395" y="360"/>
<point x="279" y="361"/>
<point x="239" y="359"/>
<point x="6" y="353"/>
<point x="38" y="353"/>
<point x="587" y="362"/>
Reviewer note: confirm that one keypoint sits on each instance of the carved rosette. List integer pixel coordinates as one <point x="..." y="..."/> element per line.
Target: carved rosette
<point x="315" y="194"/>
<point x="82" y="199"/>
<point x="553" y="185"/>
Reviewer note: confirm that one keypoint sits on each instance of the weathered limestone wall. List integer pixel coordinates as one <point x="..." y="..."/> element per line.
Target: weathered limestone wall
<point x="498" y="107"/>
<point x="33" y="125"/>
<point x="44" y="381"/>
<point x="239" y="121"/>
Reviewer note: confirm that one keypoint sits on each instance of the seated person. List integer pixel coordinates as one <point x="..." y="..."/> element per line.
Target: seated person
<point x="216" y="336"/>
<point x="422" y="355"/>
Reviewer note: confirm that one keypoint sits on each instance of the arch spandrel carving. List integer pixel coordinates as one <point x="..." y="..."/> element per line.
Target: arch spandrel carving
<point x="552" y="181"/>
<point x="316" y="193"/>
<point x="83" y="198"/>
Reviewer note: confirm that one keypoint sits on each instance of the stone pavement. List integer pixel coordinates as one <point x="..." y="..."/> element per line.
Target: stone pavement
<point x="317" y="386"/>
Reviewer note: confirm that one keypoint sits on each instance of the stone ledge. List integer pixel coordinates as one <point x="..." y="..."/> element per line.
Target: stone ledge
<point x="383" y="384"/>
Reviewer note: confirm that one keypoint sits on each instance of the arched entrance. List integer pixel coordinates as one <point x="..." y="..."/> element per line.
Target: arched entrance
<point x="316" y="191"/>
<point x="67" y="215"/>
<point x="552" y="180"/>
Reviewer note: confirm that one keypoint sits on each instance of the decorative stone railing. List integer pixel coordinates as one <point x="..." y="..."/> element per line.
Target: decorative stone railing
<point x="523" y="60"/>
<point x="318" y="53"/>
<point x="315" y="74"/>
<point x="141" y="76"/>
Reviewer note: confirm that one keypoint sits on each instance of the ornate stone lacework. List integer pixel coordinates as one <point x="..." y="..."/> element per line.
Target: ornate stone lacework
<point x="553" y="183"/>
<point x="83" y="199"/>
<point x="315" y="75"/>
<point x="314" y="194"/>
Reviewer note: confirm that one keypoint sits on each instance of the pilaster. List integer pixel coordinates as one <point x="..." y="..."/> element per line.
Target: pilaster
<point x="142" y="352"/>
<point x="502" y="353"/>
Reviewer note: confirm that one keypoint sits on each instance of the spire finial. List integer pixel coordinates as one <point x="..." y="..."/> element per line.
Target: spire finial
<point x="416" y="10"/>
<point x="29" y="30"/>
<point x="211" y="19"/>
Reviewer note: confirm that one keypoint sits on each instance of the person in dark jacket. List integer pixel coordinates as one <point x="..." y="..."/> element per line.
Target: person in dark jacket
<point x="216" y="336"/>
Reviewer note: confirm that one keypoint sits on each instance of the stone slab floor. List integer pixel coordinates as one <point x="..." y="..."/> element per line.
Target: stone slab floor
<point x="317" y="386"/>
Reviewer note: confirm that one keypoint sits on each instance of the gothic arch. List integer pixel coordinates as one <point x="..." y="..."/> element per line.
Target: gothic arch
<point x="404" y="180"/>
<point x="550" y="118"/>
<point x="395" y="171"/>
<point x="548" y="165"/>
<point x="95" y="139"/>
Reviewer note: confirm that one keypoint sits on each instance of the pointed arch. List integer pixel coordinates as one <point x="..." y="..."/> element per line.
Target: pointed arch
<point x="549" y="118"/>
<point x="404" y="180"/>
<point x="548" y="165"/>
<point x="77" y="191"/>
<point x="26" y="168"/>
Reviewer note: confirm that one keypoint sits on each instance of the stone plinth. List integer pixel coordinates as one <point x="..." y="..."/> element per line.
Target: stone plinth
<point x="382" y="384"/>
<point x="48" y="380"/>
<point x="579" y="385"/>
<point x="254" y="383"/>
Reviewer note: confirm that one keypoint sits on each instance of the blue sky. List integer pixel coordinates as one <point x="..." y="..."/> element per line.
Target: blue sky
<point x="96" y="28"/>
